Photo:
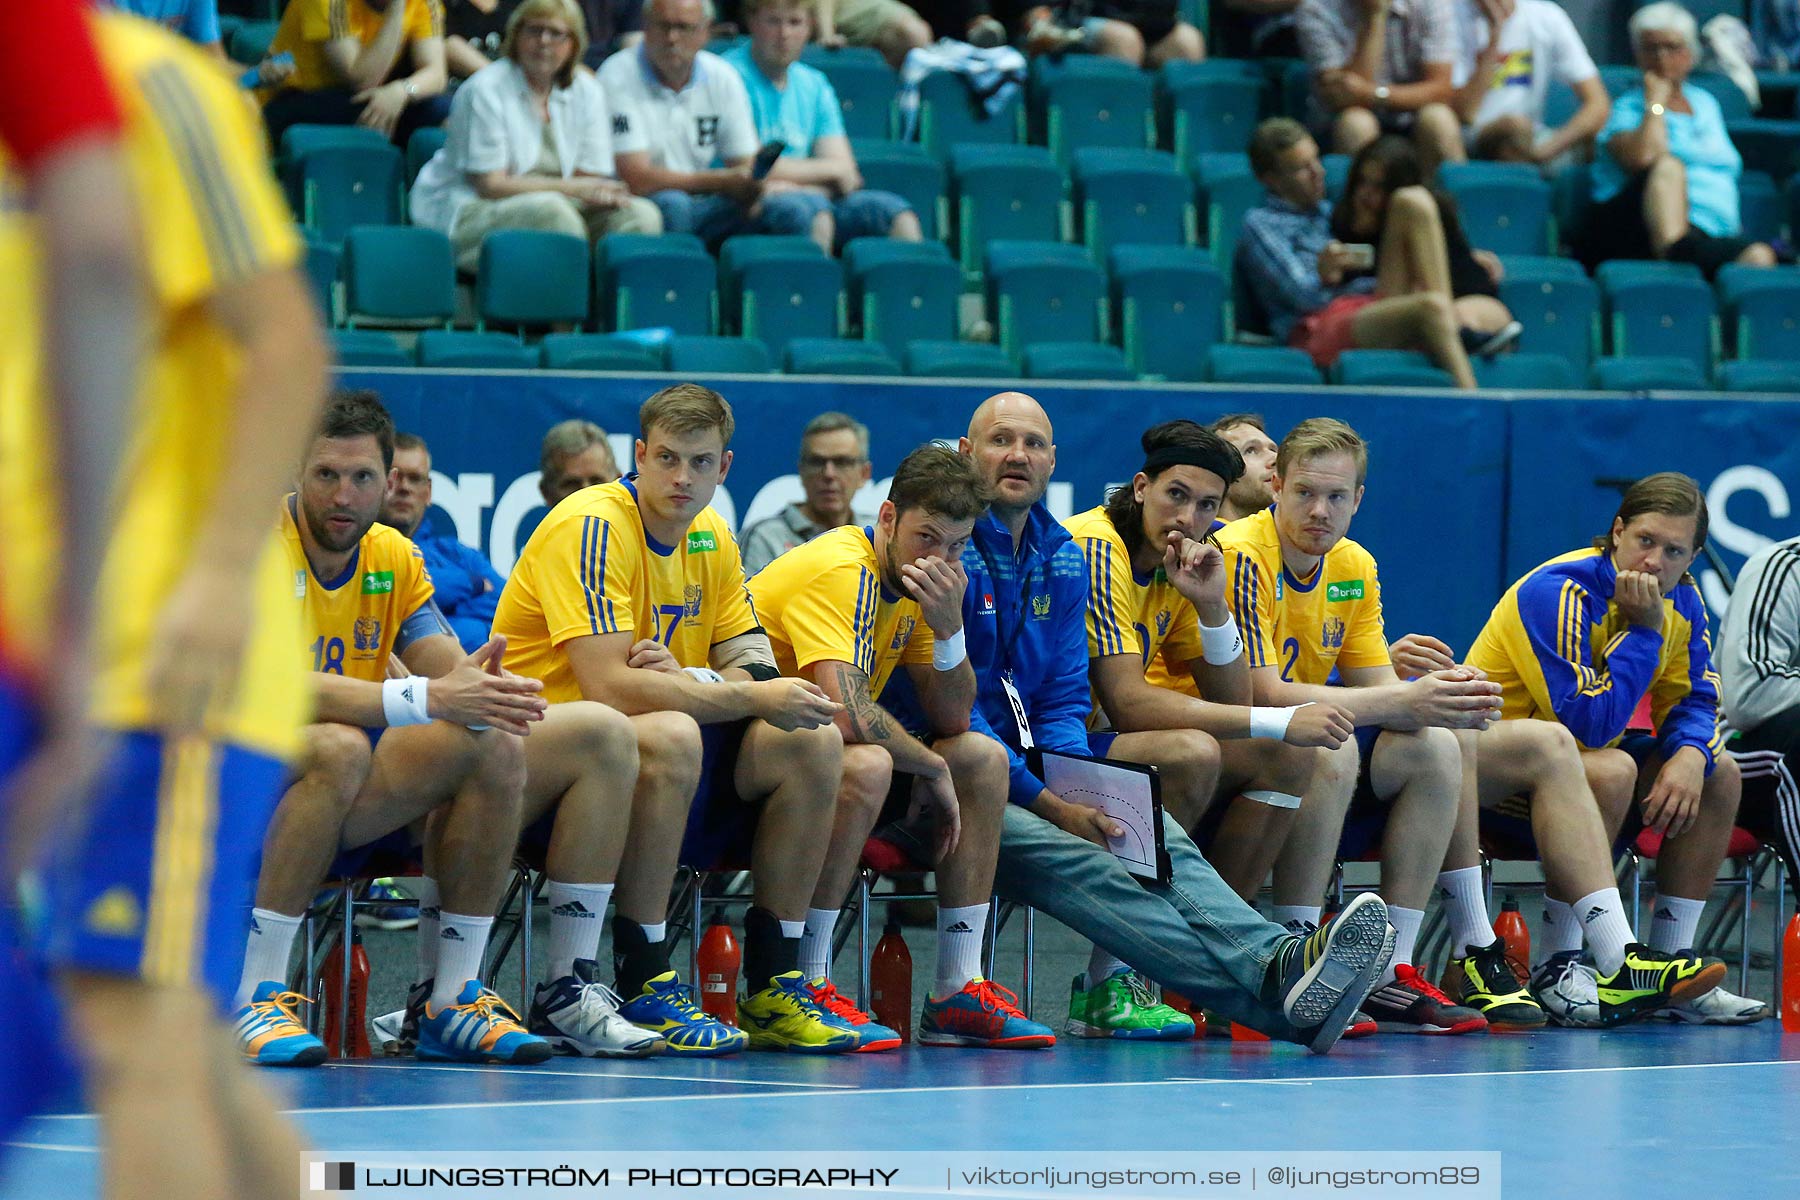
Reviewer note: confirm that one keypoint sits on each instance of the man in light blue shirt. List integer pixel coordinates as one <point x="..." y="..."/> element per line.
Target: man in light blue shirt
<point x="1666" y="180"/>
<point x="195" y="20"/>
<point x="795" y="103"/>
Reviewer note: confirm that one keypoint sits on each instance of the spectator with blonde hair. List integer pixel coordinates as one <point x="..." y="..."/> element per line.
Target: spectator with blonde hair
<point x="530" y="144"/>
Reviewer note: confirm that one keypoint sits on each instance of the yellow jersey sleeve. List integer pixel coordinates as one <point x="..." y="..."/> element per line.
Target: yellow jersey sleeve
<point x="424" y="19"/>
<point x="736" y="613"/>
<point x="1182" y="643"/>
<point x="1112" y="598"/>
<point x="321" y="20"/>
<point x="1365" y="643"/>
<point x="586" y="573"/>
<point x="831" y="617"/>
<point x="1252" y="598"/>
<point x="216" y="217"/>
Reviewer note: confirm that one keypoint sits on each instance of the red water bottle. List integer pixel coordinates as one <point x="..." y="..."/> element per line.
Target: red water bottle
<point x="890" y="980"/>
<point x="1790" y="977"/>
<point x="719" y="961"/>
<point x="359" y="999"/>
<point x="1513" y="931"/>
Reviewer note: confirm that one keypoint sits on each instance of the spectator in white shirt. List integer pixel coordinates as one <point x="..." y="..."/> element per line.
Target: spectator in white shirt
<point x="1511" y="52"/>
<point x="529" y="144"/>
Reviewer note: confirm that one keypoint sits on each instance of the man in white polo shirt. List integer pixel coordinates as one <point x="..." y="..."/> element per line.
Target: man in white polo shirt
<point x="682" y="130"/>
<point x="1511" y="50"/>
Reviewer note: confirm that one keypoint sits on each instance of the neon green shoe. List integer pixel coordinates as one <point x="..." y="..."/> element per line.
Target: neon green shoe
<point x="783" y="1016"/>
<point x="1649" y="980"/>
<point x="1122" y="1007"/>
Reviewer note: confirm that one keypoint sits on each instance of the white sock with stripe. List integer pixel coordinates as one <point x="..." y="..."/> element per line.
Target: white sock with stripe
<point x="266" y="953"/>
<point x="815" y="943"/>
<point x="1406" y="922"/>
<point x="959" y="947"/>
<point x="576" y="913"/>
<point x="1466" y="905"/>
<point x="1602" y="918"/>
<point x="1562" y="932"/>
<point x="1292" y="917"/>
<point x="1674" y="923"/>
<point x="462" y="941"/>
<point x="426" y="939"/>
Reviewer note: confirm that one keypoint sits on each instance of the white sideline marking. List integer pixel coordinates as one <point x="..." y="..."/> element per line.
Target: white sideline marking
<point x="587" y="1075"/>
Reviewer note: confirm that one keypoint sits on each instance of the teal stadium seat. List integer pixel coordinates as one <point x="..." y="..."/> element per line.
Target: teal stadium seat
<point x="1504" y="207"/>
<point x="424" y="142"/>
<point x="785" y="294"/>
<point x="699" y="354"/>
<point x="1772" y="146"/>
<point x="905" y="170"/>
<point x="1763" y="309"/>
<point x="949" y="115"/>
<point x="1260" y="364"/>
<point x="323" y="261"/>
<point x="531" y="278"/>
<point x="1528" y="372"/>
<point x="1076" y="360"/>
<point x="838" y="356"/>
<point x="1134" y="197"/>
<point x="1170" y="305"/>
<point x="1732" y="101"/>
<point x="249" y="42"/>
<point x="459" y="350"/>
<point x="368" y="348"/>
<point x="600" y="352"/>
<point x="655" y="281"/>
<point x="1666" y="372"/>
<point x="1225" y="191"/>
<point x="1558" y="305"/>
<point x="1389" y="368"/>
<point x="1760" y="375"/>
<point x="1660" y="308"/>
<point x="1083" y="109"/>
<point x="737" y="252"/>
<point x="902" y="291"/>
<point x="865" y="87"/>
<point x="1205" y="109"/>
<point x="1759" y="206"/>
<point x="958" y="360"/>
<point x="1012" y="193"/>
<point x="1043" y="292"/>
<point x="342" y="186"/>
<point x="398" y="275"/>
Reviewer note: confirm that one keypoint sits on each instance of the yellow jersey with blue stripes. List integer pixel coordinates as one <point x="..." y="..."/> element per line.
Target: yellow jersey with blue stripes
<point x="308" y="26"/>
<point x="212" y="218"/>
<point x="1130" y="612"/>
<point x="591" y="568"/>
<point x="824" y="601"/>
<point x="1561" y="651"/>
<point x="379" y="604"/>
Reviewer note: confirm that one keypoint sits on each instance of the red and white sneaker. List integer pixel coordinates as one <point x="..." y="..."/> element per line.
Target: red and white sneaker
<point x="1410" y="1004"/>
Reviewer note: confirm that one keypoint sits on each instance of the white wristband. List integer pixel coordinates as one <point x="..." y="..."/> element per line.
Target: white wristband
<point x="703" y="674"/>
<point x="403" y="701"/>
<point x="1272" y="723"/>
<point x="947" y="654"/>
<point x="1221" y="645"/>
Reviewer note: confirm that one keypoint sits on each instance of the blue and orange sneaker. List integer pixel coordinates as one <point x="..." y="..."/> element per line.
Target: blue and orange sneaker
<point x="982" y="1014"/>
<point x="480" y="1028"/>
<point x="871" y="1035"/>
<point x="666" y="1006"/>
<point x="269" y="1031"/>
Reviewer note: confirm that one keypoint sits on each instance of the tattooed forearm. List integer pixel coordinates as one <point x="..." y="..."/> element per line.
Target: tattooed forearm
<point x="868" y="720"/>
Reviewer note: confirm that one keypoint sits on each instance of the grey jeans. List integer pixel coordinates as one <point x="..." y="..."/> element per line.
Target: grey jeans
<point x="1194" y="935"/>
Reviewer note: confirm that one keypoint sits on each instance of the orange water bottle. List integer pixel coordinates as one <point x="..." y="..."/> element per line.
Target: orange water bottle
<point x="720" y="958"/>
<point x="1790" y="977"/>
<point x="359" y="998"/>
<point x="890" y="980"/>
<point x="1513" y="931"/>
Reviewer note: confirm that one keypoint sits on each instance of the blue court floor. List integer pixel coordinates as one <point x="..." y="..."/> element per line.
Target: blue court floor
<point x="1649" y="1111"/>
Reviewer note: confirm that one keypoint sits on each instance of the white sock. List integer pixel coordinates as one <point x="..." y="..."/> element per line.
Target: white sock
<point x="426" y="940"/>
<point x="655" y="933"/>
<point x="1562" y="932"/>
<point x="1406" y="922"/>
<point x="462" y="940"/>
<point x="1675" y="923"/>
<point x="576" y="913"/>
<point x="266" y="953"/>
<point x="1291" y="916"/>
<point x="1602" y="917"/>
<point x="1103" y="966"/>
<point x="1466" y="904"/>
<point x="815" y="943"/>
<point x="791" y="929"/>
<point x="959" y="947"/>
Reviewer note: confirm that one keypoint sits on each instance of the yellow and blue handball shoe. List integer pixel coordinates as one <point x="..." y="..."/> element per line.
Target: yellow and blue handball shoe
<point x="666" y="1007"/>
<point x="269" y="1031"/>
<point x="784" y="1016"/>
<point x="478" y="1028"/>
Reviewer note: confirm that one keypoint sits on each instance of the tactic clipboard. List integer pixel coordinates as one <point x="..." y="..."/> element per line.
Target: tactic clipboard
<point x="1130" y="793"/>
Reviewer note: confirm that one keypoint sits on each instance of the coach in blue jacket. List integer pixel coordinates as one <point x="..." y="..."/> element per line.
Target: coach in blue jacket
<point x="1024" y="614"/>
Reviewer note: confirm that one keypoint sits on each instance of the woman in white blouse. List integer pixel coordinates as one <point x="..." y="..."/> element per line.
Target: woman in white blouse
<point x="529" y="144"/>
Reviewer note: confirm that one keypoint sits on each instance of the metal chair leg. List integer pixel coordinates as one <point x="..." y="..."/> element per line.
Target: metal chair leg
<point x="863" y="889"/>
<point x="1030" y="933"/>
<point x="343" y="1048"/>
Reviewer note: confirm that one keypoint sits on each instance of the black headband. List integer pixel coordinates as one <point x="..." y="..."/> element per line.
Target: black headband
<point x="1218" y="460"/>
